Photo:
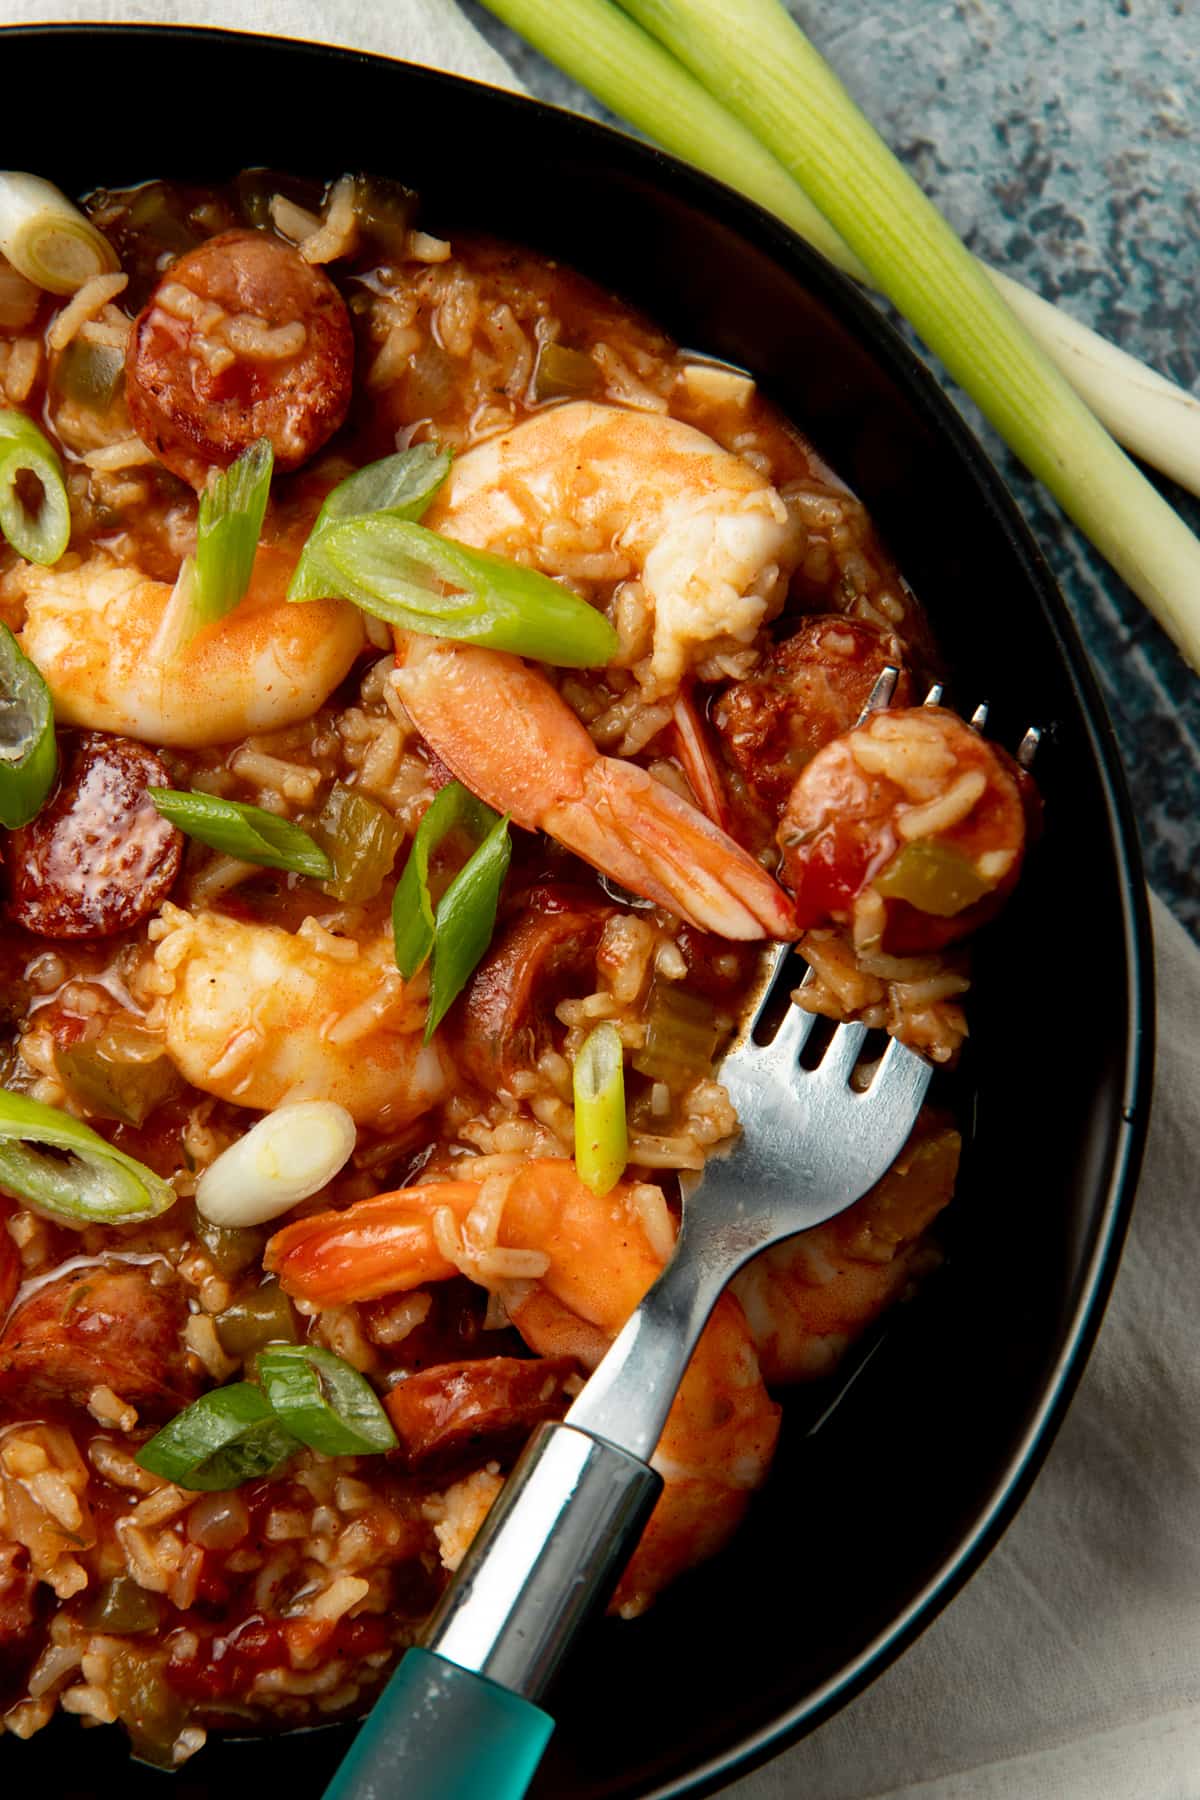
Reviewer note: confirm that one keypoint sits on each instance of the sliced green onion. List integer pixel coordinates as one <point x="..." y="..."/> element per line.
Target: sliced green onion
<point x="225" y="1438"/>
<point x="453" y="808"/>
<point x="776" y="81"/>
<point x="361" y="839"/>
<point x="466" y="919"/>
<point x="247" y="832"/>
<point x="400" y="485"/>
<point x="601" y="1133"/>
<point x="285" y="1156"/>
<point x="630" y="72"/>
<point x="459" y="932"/>
<point x="47" y="239"/>
<point x="419" y="581"/>
<point x="28" y="751"/>
<point x="228" y="527"/>
<point x="323" y="1401"/>
<point x="89" y="1183"/>
<point x="27" y="458"/>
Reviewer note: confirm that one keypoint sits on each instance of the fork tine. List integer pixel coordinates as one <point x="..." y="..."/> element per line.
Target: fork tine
<point x="881" y="693"/>
<point x="798" y="1028"/>
<point x="1027" y="749"/>
<point x="979" y="717"/>
<point x="793" y="1033"/>
<point x="843" y="1050"/>
<point x="902" y="1069"/>
<point x="934" y="696"/>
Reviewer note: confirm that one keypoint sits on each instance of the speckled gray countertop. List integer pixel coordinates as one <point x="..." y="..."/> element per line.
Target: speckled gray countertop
<point x="1062" y="139"/>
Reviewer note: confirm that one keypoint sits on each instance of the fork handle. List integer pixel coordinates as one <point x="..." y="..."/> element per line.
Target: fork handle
<point x="550" y="1551"/>
<point x="457" y="1719"/>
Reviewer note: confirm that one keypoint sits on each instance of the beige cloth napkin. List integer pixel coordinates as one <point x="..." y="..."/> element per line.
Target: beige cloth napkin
<point x="1069" y="1668"/>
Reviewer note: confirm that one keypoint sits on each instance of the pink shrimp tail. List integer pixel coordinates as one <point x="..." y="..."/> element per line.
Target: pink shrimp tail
<point x="635" y="829"/>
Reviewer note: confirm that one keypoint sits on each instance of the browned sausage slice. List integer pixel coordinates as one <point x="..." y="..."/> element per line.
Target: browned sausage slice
<point x="241" y="339"/>
<point x="468" y="1411"/>
<point x="810" y="689"/>
<point x="99" y="1327"/>
<point x="99" y="857"/>
<point x="506" y="1014"/>
<point x="912" y="828"/>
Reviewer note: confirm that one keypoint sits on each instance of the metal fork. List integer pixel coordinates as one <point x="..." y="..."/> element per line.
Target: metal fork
<point x="555" y="1542"/>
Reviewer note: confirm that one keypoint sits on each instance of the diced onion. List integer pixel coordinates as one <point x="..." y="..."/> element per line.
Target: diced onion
<point x="46" y="238"/>
<point x="218" y="1522"/>
<point x="288" y="1155"/>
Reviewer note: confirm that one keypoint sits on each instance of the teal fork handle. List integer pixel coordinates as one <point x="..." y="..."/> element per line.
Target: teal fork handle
<point x="438" y="1732"/>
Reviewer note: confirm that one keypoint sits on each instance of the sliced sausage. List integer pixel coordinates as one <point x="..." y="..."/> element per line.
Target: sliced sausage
<point x="809" y="690"/>
<point x="241" y="339"/>
<point x="103" y="1326"/>
<point x="99" y="857"/>
<point x="506" y="1014"/>
<point x="912" y="828"/>
<point x="469" y="1411"/>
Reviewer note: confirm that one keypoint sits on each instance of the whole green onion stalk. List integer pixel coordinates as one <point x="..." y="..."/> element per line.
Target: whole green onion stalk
<point x="794" y="140"/>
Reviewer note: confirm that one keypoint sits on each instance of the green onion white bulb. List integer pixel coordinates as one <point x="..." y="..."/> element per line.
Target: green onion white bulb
<point x="288" y="1155"/>
<point x="46" y="238"/>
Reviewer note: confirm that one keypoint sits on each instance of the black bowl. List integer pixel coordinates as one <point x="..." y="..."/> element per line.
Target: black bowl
<point x="868" y="1526"/>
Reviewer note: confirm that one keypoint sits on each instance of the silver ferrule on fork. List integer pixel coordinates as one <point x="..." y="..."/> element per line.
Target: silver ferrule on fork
<point x="550" y="1551"/>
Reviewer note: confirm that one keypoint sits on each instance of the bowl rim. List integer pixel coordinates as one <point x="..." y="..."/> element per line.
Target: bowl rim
<point x="1110" y="1215"/>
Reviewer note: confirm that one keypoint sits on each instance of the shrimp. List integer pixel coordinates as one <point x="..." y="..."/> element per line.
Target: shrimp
<point x="645" y="497"/>
<point x="718" y="1441"/>
<point x="261" y="1016"/>
<point x="809" y="1298"/>
<point x="94" y="633"/>
<point x="506" y="733"/>
<point x="711" y="544"/>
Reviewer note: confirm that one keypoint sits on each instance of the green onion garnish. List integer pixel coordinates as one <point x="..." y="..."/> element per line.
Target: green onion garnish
<point x="323" y="1401"/>
<point x="411" y="577"/>
<point x="28" y="459"/>
<point x="466" y="919"/>
<point x="459" y="932"/>
<point x="28" y="752"/>
<point x="87" y="1183"/>
<point x="46" y="238"/>
<point x="228" y="527"/>
<point x="247" y="832"/>
<point x="601" y="1133"/>
<point x="402" y="485"/>
<point x="228" y="1436"/>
